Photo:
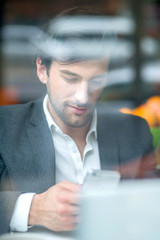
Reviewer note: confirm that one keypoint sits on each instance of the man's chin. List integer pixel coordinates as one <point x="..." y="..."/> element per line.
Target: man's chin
<point x="77" y="120"/>
<point x="78" y="123"/>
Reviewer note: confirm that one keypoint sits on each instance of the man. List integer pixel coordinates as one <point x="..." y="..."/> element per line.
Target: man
<point x="48" y="145"/>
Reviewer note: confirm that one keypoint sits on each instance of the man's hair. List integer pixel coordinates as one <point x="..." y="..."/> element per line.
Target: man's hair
<point x="74" y="35"/>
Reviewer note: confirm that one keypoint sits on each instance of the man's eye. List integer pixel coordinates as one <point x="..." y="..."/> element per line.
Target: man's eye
<point x="69" y="79"/>
<point x="98" y="82"/>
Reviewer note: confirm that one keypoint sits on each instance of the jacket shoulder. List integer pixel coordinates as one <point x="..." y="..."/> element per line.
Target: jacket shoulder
<point x="16" y="115"/>
<point x="109" y="114"/>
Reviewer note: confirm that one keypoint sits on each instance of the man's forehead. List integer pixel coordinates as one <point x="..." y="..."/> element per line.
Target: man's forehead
<point x="99" y="63"/>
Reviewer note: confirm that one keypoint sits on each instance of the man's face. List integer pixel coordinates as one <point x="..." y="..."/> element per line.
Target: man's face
<point x="74" y="89"/>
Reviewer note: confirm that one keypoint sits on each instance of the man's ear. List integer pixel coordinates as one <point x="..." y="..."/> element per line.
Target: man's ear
<point x="41" y="71"/>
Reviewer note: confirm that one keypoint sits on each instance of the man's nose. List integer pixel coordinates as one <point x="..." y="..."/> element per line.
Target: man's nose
<point x="82" y="93"/>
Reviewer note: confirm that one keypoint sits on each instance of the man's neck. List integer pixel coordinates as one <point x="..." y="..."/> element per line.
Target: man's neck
<point x="77" y="133"/>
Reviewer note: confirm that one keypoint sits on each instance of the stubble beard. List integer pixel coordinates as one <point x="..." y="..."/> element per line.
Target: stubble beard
<point x="67" y="118"/>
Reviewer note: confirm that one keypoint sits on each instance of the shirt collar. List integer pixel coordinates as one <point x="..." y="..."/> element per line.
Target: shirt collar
<point x="50" y="121"/>
<point x="52" y="124"/>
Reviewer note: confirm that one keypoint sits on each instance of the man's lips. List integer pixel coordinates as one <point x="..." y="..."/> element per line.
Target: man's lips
<point x="79" y="110"/>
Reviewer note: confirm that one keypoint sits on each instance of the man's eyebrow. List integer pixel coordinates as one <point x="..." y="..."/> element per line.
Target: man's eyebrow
<point x="69" y="73"/>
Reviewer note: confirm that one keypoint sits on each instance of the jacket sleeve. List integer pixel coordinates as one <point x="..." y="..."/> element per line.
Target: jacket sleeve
<point x="7" y="203"/>
<point x="7" y="200"/>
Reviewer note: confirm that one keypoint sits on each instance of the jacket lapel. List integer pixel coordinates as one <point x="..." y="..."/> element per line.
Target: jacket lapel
<point x="107" y="140"/>
<point x="42" y="147"/>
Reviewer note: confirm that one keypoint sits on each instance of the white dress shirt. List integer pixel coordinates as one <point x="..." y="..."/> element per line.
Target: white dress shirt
<point x="69" y="165"/>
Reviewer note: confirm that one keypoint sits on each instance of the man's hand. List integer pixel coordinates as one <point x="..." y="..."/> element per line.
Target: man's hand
<point x="56" y="208"/>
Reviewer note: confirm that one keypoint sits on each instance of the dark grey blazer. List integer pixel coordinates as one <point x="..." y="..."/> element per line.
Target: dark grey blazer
<point x="27" y="159"/>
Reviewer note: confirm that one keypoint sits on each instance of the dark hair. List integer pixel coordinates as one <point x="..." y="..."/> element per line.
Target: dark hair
<point x="70" y="37"/>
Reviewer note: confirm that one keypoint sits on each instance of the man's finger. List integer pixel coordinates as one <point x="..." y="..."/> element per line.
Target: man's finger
<point x="69" y="197"/>
<point x="73" y="187"/>
<point x="67" y="210"/>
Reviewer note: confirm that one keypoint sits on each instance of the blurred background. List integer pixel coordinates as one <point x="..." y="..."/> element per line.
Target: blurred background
<point x="135" y="69"/>
<point x="134" y="73"/>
